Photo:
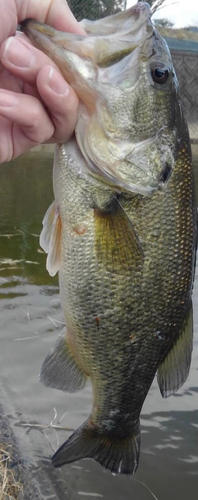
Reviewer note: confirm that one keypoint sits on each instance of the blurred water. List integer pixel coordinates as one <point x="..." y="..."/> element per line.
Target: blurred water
<point x="30" y="321"/>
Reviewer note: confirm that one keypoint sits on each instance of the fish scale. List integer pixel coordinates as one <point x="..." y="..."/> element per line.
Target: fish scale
<point x="138" y="313"/>
<point x="122" y="232"/>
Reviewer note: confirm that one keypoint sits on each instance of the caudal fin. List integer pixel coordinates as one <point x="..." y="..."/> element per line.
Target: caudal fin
<point x="119" y="455"/>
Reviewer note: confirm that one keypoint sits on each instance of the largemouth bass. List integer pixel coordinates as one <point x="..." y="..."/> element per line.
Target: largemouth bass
<point x="122" y="231"/>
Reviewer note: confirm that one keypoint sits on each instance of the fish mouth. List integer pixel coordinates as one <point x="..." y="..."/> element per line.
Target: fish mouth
<point x="100" y="36"/>
<point x="125" y="21"/>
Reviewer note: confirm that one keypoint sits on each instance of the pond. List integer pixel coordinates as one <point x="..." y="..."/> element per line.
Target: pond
<point x="30" y="321"/>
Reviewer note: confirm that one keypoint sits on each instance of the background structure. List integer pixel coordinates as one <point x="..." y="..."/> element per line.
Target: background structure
<point x="95" y="9"/>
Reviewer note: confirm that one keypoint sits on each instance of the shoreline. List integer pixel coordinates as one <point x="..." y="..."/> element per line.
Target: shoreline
<point x="23" y="485"/>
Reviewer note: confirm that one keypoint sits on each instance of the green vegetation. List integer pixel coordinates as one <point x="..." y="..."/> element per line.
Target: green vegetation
<point x="180" y="34"/>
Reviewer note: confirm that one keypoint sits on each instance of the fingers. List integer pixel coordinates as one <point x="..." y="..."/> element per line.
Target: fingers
<point x="39" y="72"/>
<point x="8" y="19"/>
<point x="32" y="125"/>
<point x="46" y="111"/>
<point x="22" y="59"/>
<point x="61" y="101"/>
<point x="61" y="18"/>
<point x="56" y="13"/>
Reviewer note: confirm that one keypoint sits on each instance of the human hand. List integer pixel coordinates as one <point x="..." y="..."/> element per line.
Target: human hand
<point x="36" y="104"/>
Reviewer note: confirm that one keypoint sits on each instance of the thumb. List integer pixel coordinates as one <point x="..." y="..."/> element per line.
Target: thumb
<point x="56" y="13"/>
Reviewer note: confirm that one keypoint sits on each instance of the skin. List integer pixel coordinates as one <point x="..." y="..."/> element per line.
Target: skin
<point x="36" y="103"/>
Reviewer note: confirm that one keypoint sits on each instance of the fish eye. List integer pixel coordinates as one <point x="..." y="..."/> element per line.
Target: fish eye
<point x="159" y="75"/>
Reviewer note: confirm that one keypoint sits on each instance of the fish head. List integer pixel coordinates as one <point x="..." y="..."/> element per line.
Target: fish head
<point x="130" y="121"/>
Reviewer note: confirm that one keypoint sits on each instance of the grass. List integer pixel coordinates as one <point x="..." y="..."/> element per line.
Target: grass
<point x="10" y="486"/>
<point x="180" y="34"/>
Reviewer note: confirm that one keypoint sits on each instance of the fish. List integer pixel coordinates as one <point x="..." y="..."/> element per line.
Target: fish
<point x="121" y="231"/>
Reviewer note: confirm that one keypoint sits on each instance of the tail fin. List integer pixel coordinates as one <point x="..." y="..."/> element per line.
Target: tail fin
<point x="119" y="455"/>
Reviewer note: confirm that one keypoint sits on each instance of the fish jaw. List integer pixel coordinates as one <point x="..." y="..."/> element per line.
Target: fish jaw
<point x="78" y="72"/>
<point x="140" y="12"/>
<point x="125" y="32"/>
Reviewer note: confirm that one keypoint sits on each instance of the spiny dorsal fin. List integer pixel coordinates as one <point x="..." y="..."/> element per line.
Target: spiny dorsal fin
<point x="50" y="238"/>
<point x="115" y="238"/>
<point x="174" y="370"/>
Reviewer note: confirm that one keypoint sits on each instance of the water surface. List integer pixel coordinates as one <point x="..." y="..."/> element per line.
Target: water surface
<point x="30" y="321"/>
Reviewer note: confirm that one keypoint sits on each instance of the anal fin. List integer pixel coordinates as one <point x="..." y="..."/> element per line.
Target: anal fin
<point x="60" y="369"/>
<point x="116" y="241"/>
<point x="174" y="370"/>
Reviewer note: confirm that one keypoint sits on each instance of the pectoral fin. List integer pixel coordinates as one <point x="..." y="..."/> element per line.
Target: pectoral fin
<point x="115" y="239"/>
<point x="174" y="370"/>
<point x="50" y="238"/>
<point x="60" y="369"/>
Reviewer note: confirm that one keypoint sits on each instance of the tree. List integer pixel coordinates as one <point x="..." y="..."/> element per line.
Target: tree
<point x="163" y="22"/>
<point x="95" y="9"/>
<point x="192" y="28"/>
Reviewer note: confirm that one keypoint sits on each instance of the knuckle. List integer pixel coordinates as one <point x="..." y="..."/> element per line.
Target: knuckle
<point x="36" y="116"/>
<point x="66" y="104"/>
<point x="72" y="103"/>
<point x="41" y="128"/>
<point x="48" y="132"/>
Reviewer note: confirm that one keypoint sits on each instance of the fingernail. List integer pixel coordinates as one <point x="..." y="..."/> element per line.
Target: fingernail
<point x="17" y="53"/>
<point x="57" y="83"/>
<point x="7" y="99"/>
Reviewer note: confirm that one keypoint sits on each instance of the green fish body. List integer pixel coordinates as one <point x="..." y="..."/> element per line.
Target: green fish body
<point x="122" y="234"/>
